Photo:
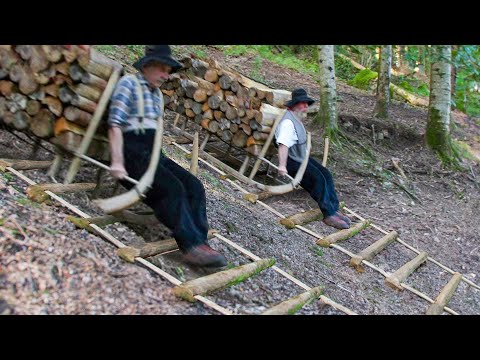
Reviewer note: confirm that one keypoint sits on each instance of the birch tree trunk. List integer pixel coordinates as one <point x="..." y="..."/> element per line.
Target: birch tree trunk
<point x="383" y="83"/>
<point x="327" y="114"/>
<point x="438" y="136"/>
<point x="454" y="73"/>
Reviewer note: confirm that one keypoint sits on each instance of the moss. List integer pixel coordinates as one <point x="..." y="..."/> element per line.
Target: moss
<point x="27" y="202"/>
<point x="37" y="194"/>
<point x="423" y="90"/>
<point x="440" y="141"/>
<point x="7" y="176"/>
<point x="343" y="234"/>
<point x="344" y="69"/>
<point x="243" y="277"/>
<point x="406" y="85"/>
<point x="363" y="78"/>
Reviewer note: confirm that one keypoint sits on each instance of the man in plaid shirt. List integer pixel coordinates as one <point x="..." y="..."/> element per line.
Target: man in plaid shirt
<point x="176" y="196"/>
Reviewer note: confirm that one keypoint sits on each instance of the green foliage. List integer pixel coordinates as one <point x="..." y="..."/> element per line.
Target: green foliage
<point x="363" y="78"/>
<point x="255" y="73"/>
<point x="9" y="177"/>
<point x="421" y="90"/>
<point x="466" y="59"/>
<point x="137" y="50"/>
<point x="236" y="50"/>
<point x="108" y="50"/>
<point x="344" y="69"/>
<point x="26" y="202"/>
<point x="303" y="63"/>
<point x="317" y="250"/>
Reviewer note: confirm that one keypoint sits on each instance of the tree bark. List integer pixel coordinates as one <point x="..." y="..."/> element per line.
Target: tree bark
<point x="370" y="252"/>
<point x="383" y="83"/>
<point x="291" y="306"/>
<point x="395" y="280"/>
<point x="220" y="280"/>
<point x="343" y="234"/>
<point x="327" y="114"/>
<point x="302" y="218"/>
<point x="438" y="136"/>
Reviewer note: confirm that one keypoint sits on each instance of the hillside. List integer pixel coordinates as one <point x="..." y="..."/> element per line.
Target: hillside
<point x="68" y="271"/>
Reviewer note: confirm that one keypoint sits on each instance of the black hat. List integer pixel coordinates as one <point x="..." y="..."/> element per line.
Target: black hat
<point x="299" y="95"/>
<point x="160" y="53"/>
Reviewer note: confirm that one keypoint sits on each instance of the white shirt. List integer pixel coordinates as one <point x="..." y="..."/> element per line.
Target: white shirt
<point x="286" y="134"/>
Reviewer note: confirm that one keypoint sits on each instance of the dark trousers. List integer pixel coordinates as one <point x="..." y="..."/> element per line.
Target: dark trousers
<point x="176" y="196"/>
<point x="318" y="182"/>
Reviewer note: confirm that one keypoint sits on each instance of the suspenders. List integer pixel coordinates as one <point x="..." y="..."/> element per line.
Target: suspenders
<point x="140" y="106"/>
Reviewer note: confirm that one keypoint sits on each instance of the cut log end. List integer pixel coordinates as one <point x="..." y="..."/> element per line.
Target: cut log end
<point x="128" y="254"/>
<point x="251" y="197"/>
<point x="288" y="223"/>
<point x="393" y="283"/>
<point x="323" y="243"/>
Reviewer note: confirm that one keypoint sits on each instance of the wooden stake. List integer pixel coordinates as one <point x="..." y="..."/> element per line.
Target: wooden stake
<point x="395" y="280"/>
<point x="325" y="151"/>
<point x="93" y="125"/>
<point x="57" y="162"/>
<point x="23" y="164"/>
<point x="244" y="164"/>
<point x="194" y="161"/>
<point x="343" y="234"/>
<point x="220" y="280"/>
<point x="370" y="252"/>
<point x="445" y="295"/>
<point x="291" y="306"/>
<point x="37" y="192"/>
<point x="302" y="218"/>
<point x="152" y="249"/>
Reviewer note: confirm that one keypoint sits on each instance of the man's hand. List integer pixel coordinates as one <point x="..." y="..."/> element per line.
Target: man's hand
<point x="282" y="171"/>
<point x="118" y="171"/>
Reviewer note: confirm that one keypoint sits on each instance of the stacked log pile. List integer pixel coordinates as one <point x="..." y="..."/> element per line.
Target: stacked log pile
<point x="52" y="91"/>
<point x="238" y="110"/>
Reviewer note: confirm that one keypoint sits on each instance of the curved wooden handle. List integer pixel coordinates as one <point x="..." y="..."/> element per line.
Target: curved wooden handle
<point x="125" y="200"/>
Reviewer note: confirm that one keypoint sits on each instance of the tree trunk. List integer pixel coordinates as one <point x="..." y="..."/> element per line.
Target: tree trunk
<point x="401" y="58"/>
<point x="421" y="59"/>
<point x="383" y="83"/>
<point x="438" y="136"/>
<point x="327" y="114"/>
<point x="454" y="74"/>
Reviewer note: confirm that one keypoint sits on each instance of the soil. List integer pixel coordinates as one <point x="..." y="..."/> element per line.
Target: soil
<point x="49" y="267"/>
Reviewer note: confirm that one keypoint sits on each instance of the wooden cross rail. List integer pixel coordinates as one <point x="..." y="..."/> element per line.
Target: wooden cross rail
<point x="406" y="286"/>
<point x="120" y="245"/>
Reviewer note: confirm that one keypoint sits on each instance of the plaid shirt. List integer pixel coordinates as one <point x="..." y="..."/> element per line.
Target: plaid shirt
<point x="124" y="104"/>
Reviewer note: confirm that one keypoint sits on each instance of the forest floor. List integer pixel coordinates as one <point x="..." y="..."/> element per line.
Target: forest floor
<point x="49" y="267"/>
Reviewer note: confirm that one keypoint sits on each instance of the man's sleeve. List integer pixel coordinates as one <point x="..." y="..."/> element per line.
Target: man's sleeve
<point x="286" y="134"/>
<point x="120" y="104"/>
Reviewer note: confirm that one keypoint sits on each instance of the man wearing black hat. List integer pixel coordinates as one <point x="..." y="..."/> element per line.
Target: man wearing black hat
<point x="176" y="196"/>
<point x="291" y="138"/>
